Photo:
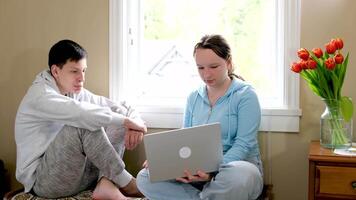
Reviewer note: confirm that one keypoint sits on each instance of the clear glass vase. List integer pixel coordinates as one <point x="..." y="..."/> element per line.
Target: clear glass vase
<point x="335" y="131"/>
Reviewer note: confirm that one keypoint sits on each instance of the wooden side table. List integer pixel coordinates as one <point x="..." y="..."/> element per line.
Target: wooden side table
<point x="331" y="176"/>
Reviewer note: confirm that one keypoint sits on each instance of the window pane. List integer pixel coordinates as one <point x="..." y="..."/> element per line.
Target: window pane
<point x="171" y="29"/>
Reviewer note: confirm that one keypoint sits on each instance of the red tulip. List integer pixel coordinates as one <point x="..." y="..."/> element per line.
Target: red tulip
<point x="338" y="58"/>
<point x="317" y="52"/>
<point x="296" y="67"/>
<point x="330" y="48"/>
<point x="323" y="69"/>
<point x="303" y="64"/>
<point x="330" y="63"/>
<point x="303" y="54"/>
<point x="311" y="64"/>
<point x="338" y="43"/>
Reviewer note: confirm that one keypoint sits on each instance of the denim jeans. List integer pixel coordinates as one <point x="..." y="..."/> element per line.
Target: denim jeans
<point x="237" y="180"/>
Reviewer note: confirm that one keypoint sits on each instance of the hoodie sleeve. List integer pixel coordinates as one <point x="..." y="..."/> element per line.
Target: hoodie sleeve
<point x="248" y="122"/>
<point x="52" y="106"/>
<point x="122" y="108"/>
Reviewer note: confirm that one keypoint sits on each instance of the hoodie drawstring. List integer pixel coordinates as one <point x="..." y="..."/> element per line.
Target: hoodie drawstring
<point x="191" y="116"/>
<point x="228" y="131"/>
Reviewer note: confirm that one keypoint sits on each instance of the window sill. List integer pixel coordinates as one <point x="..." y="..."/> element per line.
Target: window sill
<point x="275" y="120"/>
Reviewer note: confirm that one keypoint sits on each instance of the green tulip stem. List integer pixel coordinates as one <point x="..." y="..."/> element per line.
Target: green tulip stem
<point x="336" y="123"/>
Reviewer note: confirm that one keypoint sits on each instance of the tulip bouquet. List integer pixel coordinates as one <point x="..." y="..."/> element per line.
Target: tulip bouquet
<point x="325" y="73"/>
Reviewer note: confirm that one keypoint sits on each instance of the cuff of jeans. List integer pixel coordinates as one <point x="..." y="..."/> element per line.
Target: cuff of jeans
<point x="124" y="178"/>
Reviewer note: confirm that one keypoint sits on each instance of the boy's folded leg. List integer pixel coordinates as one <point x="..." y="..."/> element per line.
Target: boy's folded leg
<point x="131" y="189"/>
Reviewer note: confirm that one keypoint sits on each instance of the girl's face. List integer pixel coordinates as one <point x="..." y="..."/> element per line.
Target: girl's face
<point x="213" y="70"/>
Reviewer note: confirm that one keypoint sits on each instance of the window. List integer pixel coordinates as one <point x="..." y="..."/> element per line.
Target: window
<point x="151" y="61"/>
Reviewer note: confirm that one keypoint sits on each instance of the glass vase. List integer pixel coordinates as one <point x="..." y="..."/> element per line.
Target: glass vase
<point x="335" y="131"/>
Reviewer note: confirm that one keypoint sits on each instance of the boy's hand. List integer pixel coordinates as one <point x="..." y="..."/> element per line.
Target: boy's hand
<point x="133" y="138"/>
<point x="136" y="125"/>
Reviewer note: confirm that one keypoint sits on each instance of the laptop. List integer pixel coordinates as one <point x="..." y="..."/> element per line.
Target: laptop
<point x="169" y="153"/>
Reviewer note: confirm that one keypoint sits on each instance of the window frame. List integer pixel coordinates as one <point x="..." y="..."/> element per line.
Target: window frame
<point x="283" y="119"/>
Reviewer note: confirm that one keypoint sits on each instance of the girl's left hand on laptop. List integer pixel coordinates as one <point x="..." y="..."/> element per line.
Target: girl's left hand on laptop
<point x="200" y="176"/>
<point x="145" y="164"/>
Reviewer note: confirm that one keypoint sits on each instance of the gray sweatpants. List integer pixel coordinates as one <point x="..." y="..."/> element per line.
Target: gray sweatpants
<point x="78" y="158"/>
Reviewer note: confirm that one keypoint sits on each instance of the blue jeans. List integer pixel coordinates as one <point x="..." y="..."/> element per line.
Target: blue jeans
<point x="237" y="180"/>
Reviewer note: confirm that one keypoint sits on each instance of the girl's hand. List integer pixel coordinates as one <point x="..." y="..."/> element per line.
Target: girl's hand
<point x="200" y="176"/>
<point x="145" y="164"/>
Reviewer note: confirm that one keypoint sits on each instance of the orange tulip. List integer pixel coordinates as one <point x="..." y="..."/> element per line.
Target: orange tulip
<point x="317" y="52"/>
<point x="303" y="54"/>
<point x="296" y="67"/>
<point x="330" y="48"/>
<point x="339" y="58"/>
<point x="338" y="43"/>
<point x="311" y="64"/>
<point x="330" y="63"/>
<point x="303" y="64"/>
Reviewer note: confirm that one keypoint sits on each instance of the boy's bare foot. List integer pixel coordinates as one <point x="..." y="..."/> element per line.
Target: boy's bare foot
<point x="106" y="190"/>
<point x="131" y="189"/>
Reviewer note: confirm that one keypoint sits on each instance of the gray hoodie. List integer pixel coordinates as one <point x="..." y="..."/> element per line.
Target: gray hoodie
<point x="44" y="111"/>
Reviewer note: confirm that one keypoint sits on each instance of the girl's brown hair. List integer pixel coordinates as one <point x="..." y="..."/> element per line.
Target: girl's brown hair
<point x="219" y="45"/>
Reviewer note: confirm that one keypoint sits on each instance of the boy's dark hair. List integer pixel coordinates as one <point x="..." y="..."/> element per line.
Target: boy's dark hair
<point x="63" y="51"/>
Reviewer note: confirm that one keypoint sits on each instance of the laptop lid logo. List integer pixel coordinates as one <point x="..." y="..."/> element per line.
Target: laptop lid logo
<point x="185" y="152"/>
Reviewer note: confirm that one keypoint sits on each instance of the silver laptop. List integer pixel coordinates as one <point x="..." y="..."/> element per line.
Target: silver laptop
<point x="169" y="153"/>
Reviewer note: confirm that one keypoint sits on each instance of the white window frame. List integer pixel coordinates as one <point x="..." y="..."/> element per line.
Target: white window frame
<point x="284" y="119"/>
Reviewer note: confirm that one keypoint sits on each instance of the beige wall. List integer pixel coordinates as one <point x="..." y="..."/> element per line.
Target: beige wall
<point x="27" y="31"/>
<point x="321" y="20"/>
<point x="29" y="28"/>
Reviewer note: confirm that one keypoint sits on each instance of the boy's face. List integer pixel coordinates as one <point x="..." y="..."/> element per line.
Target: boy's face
<point x="70" y="79"/>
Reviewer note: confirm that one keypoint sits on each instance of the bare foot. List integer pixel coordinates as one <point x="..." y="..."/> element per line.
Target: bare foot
<point x="131" y="189"/>
<point x="106" y="190"/>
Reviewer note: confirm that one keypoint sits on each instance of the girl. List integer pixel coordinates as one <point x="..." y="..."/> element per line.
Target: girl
<point x="227" y="99"/>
